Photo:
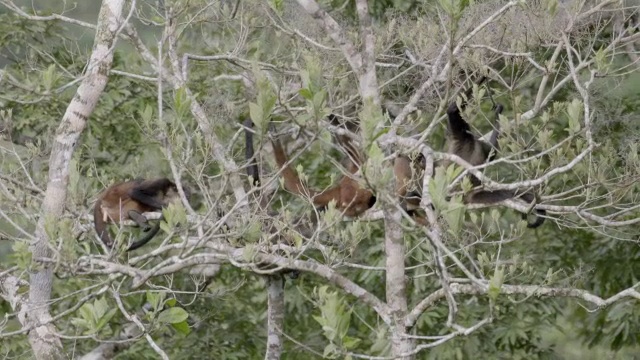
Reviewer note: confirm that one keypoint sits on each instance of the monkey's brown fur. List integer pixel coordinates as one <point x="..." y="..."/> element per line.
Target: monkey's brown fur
<point x="128" y="201"/>
<point x="351" y="199"/>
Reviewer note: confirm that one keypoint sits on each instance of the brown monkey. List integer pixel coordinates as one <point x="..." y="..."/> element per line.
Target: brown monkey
<point x="351" y="199"/>
<point x="473" y="150"/>
<point x="129" y="200"/>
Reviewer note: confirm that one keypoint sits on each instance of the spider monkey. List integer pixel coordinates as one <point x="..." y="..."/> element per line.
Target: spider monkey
<point x="464" y="144"/>
<point x="129" y="200"/>
<point x="351" y="199"/>
<point x="254" y="173"/>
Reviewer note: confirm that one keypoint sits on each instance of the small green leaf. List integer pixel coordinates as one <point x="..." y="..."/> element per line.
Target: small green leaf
<point x="173" y="315"/>
<point x="601" y="60"/>
<point x="147" y="114"/>
<point x="350" y="343"/>
<point x="306" y="93"/>
<point x="495" y="283"/>
<point x="104" y="320"/>
<point x="318" y="100"/>
<point x="182" y="103"/>
<point x="175" y="214"/>
<point x="49" y="77"/>
<point x="182" y="327"/>
<point x="155" y="299"/>
<point x="574" y="110"/>
<point x="454" y="215"/>
<point x="277" y="5"/>
<point x="257" y="116"/>
<point x="551" y="6"/>
<point x="86" y="312"/>
<point x="249" y="252"/>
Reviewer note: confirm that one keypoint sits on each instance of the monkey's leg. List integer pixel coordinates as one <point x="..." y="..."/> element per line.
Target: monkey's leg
<point x="140" y="220"/>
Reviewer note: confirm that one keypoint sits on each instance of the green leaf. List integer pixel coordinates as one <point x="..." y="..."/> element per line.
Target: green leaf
<point x="173" y="315"/>
<point x="495" y="283"/>
<point x="147" y="114"/>
<point x="249" y="252"/>
<point x="182" y="103"/>
<point x="350" y="343"/>
<point x="49" y="77"/>
<point x="574" y="110"/>
<point x="318" y="102"/>
<point x="330" y="352"/>
<point x="104" y="320"/>
<point x="182" y="327"/>
<point x="155" y="299"/>
<point x="601" y="60"/>
<point x="277" y="5"/>
<point x="86" y="312"/>
<point x="454" y="215"/>
<point x="256" y="114"/>
<point x="306" y="93"/>
<point x="175" y="214"/>
<point x="551" y="6"/>
<point x="450" y="7"/>
<point x="335" y="317"/>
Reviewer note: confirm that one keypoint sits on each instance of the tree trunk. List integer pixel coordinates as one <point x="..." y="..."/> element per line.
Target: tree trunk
<point x="42" y="337"/>
<point x="275" y="316"/>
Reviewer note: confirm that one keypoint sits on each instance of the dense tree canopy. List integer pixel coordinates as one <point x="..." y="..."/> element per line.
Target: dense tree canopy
<point x="93" y="95"/>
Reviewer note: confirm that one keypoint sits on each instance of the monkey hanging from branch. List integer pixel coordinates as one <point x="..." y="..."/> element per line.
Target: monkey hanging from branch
<point x="350" y="197"/>
<point x="463" y="143"/>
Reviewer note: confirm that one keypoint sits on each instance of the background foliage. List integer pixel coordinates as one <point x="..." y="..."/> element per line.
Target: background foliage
<point x="228" y="319"/>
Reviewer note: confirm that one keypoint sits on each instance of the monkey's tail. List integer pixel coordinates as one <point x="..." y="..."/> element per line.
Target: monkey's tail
<point x="540" y="213"/>
<point x="496" y="196"/>
<point x="145" y="239"/>
<point x="252" y="167"/>
<point x="100" y="225"/>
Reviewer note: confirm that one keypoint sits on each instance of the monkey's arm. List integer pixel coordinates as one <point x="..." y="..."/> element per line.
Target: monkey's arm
<point x="458" y="127"/>
<point x="139" y="219"/>
<point x="323" y="199"/>
<point x="344" y="141"/>
<point x="496" y="128"/>
<point x="493" y="140"/>
<point x="293" y="184"/>
<point x="482" y="196"/>
<point x="100" y="225"/>
<point x="291" y="180"/>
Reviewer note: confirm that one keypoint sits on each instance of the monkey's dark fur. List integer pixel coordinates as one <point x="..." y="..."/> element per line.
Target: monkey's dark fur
<point x="463" y="143"/>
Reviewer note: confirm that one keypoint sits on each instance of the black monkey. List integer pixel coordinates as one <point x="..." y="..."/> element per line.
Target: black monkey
<point x="461" y="142"/>
<point x="476" y="152"/>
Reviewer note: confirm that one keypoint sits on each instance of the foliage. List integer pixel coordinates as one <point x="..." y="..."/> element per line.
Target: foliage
<point x="275" y="77"/>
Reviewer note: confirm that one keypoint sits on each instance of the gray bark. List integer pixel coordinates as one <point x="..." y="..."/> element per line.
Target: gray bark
<point x="275" y="316"/>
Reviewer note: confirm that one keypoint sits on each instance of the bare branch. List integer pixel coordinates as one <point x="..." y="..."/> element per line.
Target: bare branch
<point x="526" y="290"/>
